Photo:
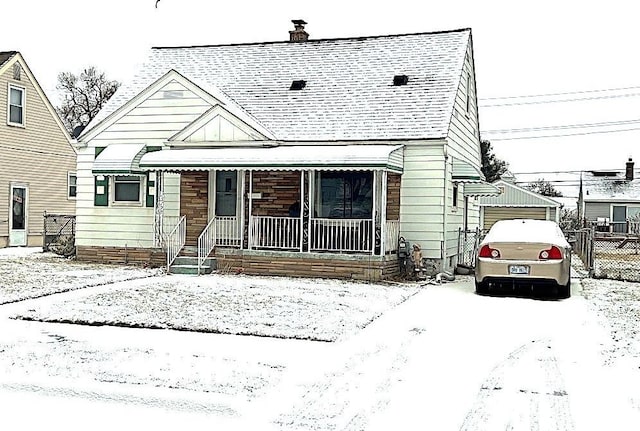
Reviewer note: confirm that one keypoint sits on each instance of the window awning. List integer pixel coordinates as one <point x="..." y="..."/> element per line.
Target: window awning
<point x="119" y="159"/>
<point x="480" y="189"/>
<point x="465" y="172"/>
<point x="325" y="157"/>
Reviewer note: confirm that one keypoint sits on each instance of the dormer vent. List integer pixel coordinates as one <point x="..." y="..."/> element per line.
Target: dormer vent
<point x="400" y="80"/>
<point x="298" y="85"/>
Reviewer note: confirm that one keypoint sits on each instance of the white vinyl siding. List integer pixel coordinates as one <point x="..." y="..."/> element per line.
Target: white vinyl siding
<point x="166" y="112"/>
<point x="421" y="196"/>
<point x="41" y="157"/>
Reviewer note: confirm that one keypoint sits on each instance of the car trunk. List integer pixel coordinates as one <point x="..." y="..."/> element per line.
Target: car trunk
<point x="520" y="251"/>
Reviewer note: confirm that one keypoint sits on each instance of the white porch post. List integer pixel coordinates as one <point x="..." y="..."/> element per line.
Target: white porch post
<point x="301" y="209"/>
<point x="250" y="236"/>
<point x="372" y="234"/>
<point x="242" y="202"/>
<point x="312" y="185"/>
<point x="383" y="214"/>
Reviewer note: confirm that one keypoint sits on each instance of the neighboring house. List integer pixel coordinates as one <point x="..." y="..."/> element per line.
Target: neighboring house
<point x="38" y="158"/>
<point x="516" y="202"/>
<point x="610" y="200"/>
<point x="303" y="157"/>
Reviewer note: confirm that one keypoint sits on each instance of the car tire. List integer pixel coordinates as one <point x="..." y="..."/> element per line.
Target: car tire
<point x="564" y="291"/>
<point x="482" y="288"/>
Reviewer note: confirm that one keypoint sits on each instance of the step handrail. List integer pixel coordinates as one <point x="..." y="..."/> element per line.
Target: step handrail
<point x="175" y="241"/>
<point x="206" y="242"/>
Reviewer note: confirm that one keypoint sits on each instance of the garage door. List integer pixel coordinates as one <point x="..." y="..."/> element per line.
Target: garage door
<point x="493" y="214"/>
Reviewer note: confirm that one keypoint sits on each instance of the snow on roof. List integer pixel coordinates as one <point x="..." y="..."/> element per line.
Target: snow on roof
<point x="349" y="92"/>
<point x="610" y="186"/>
<point x="526" y="230"/>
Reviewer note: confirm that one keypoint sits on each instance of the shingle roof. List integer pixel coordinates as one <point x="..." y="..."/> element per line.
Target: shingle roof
<point x="349" y="93"/>
<point x="6" y="55"/>
<point x="610" y="188"/>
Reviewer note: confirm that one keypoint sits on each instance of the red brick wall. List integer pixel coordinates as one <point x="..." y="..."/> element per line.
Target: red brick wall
<point x="194" y="203"/>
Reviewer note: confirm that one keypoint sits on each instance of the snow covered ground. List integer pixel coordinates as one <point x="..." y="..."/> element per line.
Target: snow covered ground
<point x="398" y="356"/>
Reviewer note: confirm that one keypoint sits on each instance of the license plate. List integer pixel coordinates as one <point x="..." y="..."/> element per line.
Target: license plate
<point x="518" y="269"/>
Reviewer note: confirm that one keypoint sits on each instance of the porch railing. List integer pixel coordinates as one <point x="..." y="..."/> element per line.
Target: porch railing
<point x="341" y="235"/>
<point x="392" y="234"/>
<point x="275" y="232"/>
<point x="206" y="242"/>
<point x="227" y="231"/>
<point x="175" y="240"/>
<point x="164" y="226"/>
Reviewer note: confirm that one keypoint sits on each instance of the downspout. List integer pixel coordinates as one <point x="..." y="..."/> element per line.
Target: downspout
<point x="443" y="263"/>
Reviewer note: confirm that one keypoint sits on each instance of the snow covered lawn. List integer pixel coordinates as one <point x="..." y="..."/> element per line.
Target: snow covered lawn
<point x="319" y="310"/>
<point x="29" y="273"/>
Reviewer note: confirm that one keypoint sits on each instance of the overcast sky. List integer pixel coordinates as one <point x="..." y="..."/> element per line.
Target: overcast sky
<point x="541" y="47"/>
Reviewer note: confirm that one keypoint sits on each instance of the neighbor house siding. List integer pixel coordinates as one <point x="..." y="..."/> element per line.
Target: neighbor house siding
<point x="593" y="210"/>
<point x="421" y="195"/>
<point x="38" y="155"/>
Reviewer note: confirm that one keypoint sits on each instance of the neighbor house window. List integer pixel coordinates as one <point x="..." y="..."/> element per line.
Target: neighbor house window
<point x="345" y="195"/>
<point x="15" y="112"/>
<point x="72" y="185"/>
<point x="127" y="188"/>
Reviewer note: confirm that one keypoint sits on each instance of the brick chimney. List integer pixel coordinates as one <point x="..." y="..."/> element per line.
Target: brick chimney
<point x="629" y="170"/>
<point x="298" y="35"/>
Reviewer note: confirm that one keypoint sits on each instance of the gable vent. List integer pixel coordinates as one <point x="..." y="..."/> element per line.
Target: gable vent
<point x="298" y="85"/>
<point x="400" y="80"/>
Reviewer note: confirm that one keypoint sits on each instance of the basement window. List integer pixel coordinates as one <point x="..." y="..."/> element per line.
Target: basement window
<point x="400" y="80"/>
<point x="298" y="85"/>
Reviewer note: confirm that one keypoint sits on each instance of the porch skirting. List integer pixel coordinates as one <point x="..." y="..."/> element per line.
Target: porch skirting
<point x="154" y="257"/>
<point x="321" y="265"/>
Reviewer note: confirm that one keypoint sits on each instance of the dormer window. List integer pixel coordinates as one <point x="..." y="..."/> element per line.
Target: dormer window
<point x="400" y="80"/>
<point x="298" y="85"/>
<point x="15" y="111"/>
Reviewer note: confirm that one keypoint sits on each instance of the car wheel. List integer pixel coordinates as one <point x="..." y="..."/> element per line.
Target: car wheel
<point x="482" y="288"/>
<point x="564" y="291"/>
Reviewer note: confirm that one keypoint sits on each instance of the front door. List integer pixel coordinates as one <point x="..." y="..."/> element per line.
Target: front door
<point x="18" y="217"/>
<point x="225" y="207"/>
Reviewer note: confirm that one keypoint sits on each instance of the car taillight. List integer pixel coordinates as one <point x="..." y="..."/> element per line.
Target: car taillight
<point x="486" y="251"/>
<point x="551" y="254"/>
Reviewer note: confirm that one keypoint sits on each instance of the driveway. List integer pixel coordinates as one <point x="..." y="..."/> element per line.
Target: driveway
<point x="445" y="359"/>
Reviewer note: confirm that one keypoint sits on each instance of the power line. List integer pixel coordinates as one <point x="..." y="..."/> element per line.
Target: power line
<point x="563" y="127"/>
<point x="566" y="93"/>
<point x="594" y="132"/>
<point x="544" y="102"/>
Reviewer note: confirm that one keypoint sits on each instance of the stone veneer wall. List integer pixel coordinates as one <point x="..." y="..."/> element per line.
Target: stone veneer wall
<point x="393" y="196"/>
<point x="279" y="191"/>
<point x="194" y="203"/>
<point x="145" y="256"/>
<point x="291" y="264"/>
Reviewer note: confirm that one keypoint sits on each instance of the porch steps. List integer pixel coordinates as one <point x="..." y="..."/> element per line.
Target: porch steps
<point x="189" y="265"/>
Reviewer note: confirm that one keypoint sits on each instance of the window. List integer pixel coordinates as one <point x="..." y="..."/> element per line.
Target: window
<point x="15" y="114"/>
<point x="126" y="188"/>
<point x="345" y="195"/>
<point x="72" y="185"/>
<point x="468" y="105"/>
<point x="455" y="196"/>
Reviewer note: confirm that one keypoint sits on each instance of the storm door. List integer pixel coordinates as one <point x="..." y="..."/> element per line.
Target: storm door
<point x="223" y="206"/>
<point x="619" y="218"/>
<point x="18" y="216"/>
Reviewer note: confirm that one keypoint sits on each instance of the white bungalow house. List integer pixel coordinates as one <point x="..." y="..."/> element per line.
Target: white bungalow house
<point x="302" y="157"/>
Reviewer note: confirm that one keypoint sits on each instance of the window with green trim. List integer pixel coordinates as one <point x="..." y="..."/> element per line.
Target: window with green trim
<point x="127" y="188"/>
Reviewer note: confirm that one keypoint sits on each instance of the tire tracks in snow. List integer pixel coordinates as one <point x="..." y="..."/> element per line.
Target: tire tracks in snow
<point x="524" y="392"/>
<point x="347" y="396"/>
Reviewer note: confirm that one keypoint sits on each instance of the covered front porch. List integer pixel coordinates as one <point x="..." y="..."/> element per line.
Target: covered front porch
<point x="267" y="210"/>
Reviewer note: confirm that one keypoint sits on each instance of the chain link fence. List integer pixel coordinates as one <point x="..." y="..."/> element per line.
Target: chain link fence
<point x="609" y="255"/>
<point x="468" y="241"/>
<point x="59" y="234"/>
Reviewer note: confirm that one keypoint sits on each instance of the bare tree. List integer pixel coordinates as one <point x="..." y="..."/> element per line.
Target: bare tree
<point x="543" y="187"/>
<point x="83" y="96"/>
